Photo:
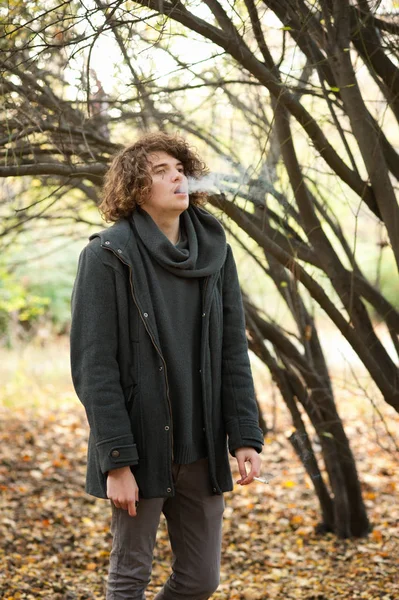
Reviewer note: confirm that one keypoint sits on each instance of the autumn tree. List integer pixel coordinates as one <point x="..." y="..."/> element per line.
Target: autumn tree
<point x="297" y="105"/>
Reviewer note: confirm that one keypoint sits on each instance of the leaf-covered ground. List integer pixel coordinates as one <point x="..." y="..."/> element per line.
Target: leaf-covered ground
<point x="55" y="539"/>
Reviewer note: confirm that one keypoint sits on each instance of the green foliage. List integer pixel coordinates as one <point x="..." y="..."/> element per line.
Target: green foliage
<point x="56" y="285"/>
<point x="16" y="299"/>
<point x="52" y="276"/>
<point x="36" y="289"/>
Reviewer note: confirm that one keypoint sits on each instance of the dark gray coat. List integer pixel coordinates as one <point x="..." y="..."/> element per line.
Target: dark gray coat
<point x="121" y="378"/>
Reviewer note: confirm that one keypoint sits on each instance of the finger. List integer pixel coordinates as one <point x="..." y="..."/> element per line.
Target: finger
<point x="242" y="469"/>
<point x="132" y="508"/>
<point x="254" y="472"/>
<point x="249" y="478"/>
<point x="116" y="504"/>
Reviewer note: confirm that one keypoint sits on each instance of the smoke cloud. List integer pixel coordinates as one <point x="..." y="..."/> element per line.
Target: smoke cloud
<point x="217" y="182"/>
<point x="209" y="183"/>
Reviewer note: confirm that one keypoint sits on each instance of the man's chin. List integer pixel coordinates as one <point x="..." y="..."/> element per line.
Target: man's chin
<point x="181" y="201"/>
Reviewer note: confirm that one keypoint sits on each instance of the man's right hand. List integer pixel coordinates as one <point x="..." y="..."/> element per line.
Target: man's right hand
<point x="122" y="489"/>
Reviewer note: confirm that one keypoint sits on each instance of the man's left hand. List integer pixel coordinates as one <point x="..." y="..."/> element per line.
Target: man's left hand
<point x="250" y="455"/>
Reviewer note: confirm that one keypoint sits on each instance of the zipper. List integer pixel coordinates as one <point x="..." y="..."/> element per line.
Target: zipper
<point x="153" y="342"/>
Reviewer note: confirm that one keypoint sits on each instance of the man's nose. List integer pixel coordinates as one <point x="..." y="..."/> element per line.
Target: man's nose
<point x="178" y="175"/>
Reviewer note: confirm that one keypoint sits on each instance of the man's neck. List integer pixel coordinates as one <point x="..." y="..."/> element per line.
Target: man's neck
<point x="168" y="224"/>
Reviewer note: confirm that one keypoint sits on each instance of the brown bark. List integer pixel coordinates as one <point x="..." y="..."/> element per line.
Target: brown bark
<point x="237" y="48"/>
<point x="300" y="441"/>
<point x="332" y="266"/>
<point x="367" y="136"/>
<point x="363" y="33"/>
<point x="389" y="391"/>
<point x="349" y="514"/>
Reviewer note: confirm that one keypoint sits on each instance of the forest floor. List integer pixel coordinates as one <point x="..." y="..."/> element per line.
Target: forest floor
<point x="55" y="539"/>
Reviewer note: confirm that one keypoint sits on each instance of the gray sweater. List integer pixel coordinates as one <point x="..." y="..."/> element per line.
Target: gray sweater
<point x="177" y="306"/>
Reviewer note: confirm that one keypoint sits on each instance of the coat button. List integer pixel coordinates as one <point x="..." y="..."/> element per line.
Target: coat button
<point x="169" y="490"/>
<point x="214" y="489"/>
<point x="145" y="314"/>
<point x="107" y="243"/>
<point x="203" y="314"/>
<point x="199" y="370"/>
<point x="120" y="251"/>
<point x="115" y="453"/>
<point x="160" y="367"/>
<point x="166" y="427"/>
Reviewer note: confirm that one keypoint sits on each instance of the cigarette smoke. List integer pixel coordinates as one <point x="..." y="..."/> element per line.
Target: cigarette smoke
<point x="209" y="183"/>
<point x="217" y="182"/>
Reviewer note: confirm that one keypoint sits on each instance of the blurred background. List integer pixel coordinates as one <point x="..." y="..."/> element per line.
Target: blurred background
<point x="294" y="107"/>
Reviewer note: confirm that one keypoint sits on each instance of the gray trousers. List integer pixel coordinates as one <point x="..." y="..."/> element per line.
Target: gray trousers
<point x="194" y="519"/>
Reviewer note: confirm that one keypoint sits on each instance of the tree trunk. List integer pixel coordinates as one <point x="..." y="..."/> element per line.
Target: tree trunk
<point x="346" y="514"/>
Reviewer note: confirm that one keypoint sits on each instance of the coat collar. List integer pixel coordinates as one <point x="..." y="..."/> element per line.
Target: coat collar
<point x="118" y="238"/>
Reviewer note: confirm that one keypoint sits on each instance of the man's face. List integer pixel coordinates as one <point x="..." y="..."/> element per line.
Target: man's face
<point x="169" y="190"/>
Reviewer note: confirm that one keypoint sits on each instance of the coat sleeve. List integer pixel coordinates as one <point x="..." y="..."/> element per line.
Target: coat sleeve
<point x="240" y="410"/>
<point x="94" y="365"/>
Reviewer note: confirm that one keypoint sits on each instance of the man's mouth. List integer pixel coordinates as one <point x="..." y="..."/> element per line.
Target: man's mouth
<point x="180" y="191"/>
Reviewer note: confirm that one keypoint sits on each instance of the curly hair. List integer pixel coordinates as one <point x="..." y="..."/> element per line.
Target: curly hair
<point x="128" y="180"/>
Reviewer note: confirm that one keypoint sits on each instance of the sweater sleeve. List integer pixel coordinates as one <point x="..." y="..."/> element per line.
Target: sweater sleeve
<point x="240" y="410"/>
<point x="94" y="365"/>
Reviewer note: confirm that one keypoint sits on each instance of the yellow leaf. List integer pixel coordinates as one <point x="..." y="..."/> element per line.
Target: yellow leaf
<point x="296" y="519"/>
<point x="289" y="484"/>
<point x="377" y="535"/>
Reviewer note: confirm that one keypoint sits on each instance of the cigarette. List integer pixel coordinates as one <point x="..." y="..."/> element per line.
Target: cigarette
<point x="264" y="479"/>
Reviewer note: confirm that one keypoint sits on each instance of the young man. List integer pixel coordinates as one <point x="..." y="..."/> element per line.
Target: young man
<point x="159" y="360"/>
